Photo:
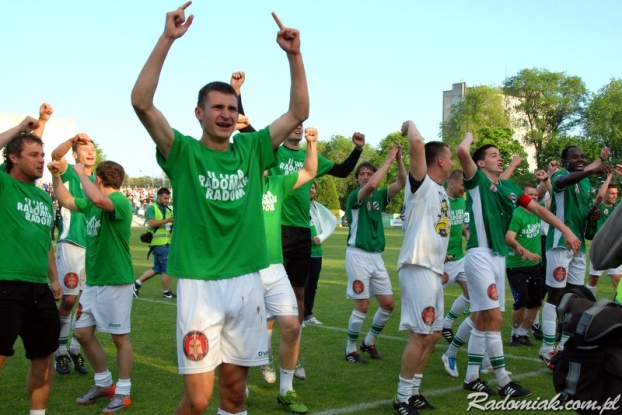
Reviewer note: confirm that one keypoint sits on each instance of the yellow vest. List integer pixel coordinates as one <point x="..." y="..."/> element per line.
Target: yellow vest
<point x="161" y="236"/>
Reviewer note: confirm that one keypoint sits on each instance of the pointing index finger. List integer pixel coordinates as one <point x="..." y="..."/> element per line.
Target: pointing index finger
<point x="185" y="5"/>
<point x="277" y="20"/>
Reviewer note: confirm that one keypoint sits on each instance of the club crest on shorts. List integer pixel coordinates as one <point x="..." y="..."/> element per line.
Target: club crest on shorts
<point x="358" y="286"/>
<point x="492" y="292"/>
<point x="444" y="278"/>
<point x="78" y="311"/>
<point x="195" y="345"/>
<point x="71" y="280"/>
<point x="559" y="274"/>
<point x="428" y="315"/>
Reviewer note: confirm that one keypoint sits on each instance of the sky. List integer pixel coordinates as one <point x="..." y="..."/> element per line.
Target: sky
<point x="370" y="65"/>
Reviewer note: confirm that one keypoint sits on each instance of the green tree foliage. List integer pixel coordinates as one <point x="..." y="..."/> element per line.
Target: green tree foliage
<point x="508" y="147"/>
<point x="603" y="118"/>
<point x="483" y="106"/>
<point x="101" y="156"/>
<point x="327" y="192"/>
<point x="552" y="103"/>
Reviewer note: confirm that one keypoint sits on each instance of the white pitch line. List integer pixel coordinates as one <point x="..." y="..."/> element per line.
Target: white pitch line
<point x="156" y="301"/>
<point x="438" y="345"/>
<point x="433" y="392"/>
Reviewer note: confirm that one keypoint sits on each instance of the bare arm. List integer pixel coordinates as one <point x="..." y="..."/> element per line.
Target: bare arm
<point x="58" y="154"/>
<point x="53" y="275"/>
<point x="416" y="149"/>
<point x="289" y="40"/>
<point x="27" y="124"/>
<point x="604" y="155"/>
<point x="374" y="181"/>
<point x="465" y="231"/>
<point x="144" y="90"/>
<point x="92" y="192"/>
<point x="572" y="242"/>
<point x="563" y="181"/>
<point x="400" y="182"/>
<point x="63" y="196"/>
<point x="510" y="240"/>
<point x="464" y="155"/>
<point x="603" y="191"/>
<point x="309" y="168"/>
<point x="507" y="173"/>
<point x="45" y="112"/>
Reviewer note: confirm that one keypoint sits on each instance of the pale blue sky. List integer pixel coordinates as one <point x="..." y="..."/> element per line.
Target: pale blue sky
<point x="370" y="64"/>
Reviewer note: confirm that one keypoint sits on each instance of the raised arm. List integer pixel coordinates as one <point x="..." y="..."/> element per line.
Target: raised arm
<point x="344" y="169"/>
<point x="92" y="192"/>
<point x="289" y="40"/>
<point x="28" y="124"/>
<point x="58" y="154"/>
<point x="564" y="181"/>
<point x="374" y="181"/>
<point x="514" y="163"/>
<point x="604" y="155"/>
<point x="418" y="166"/>
<point x="545" y="182"/>
<point x="45" y="112"/>
<point x="144" y="90"/>
<point x="309" y="168"/>
<point x="464" y="155"/>
<point x="603" y="191"/>
<point x="237" y="80"/>
<point x="400" y="182"/>
<point x="63" y="196"/>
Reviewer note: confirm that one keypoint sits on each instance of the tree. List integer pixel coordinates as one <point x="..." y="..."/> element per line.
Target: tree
<point x="508" y="147"/>
<point x="552" y="103"/>
<point x="483" y="106"/>
<point x="101" y="156"/>
<point x="327" y="193"/>
<point x="603" y="118"/>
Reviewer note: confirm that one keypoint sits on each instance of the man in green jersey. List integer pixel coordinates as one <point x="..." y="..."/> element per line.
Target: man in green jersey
<point x="609" y="195"/>
<point x="491" y="202"/>
<point x="524" y="268"/>
<point x="571" y="203"/>
<point x="27" y="305"/>
<point x="367" y="275"/>
<point x="160" y="219"/>
<point x="106" y="301"/>
<point x="71" y="248"/>
<point x="278" y="293"/>
<point x="218" y="206"/>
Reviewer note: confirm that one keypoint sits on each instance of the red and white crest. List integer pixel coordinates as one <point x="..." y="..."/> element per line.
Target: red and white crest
<point x="195" y="345"/>
<point x="358" y="286"/>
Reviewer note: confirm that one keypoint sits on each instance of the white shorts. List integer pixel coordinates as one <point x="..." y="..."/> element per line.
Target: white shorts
<point x="453" y="272"/>
<point x="221" y="321"/>
<point x="106" y="307"/>
<point x="367" y="276"/>
<point x="278" y="293"/>
<point x="423" y="307"/>
<point x="564" y="267"/>
<point x="485" y="273"/>
<point x="610" y="271"/>
<point x="71" y="269"/>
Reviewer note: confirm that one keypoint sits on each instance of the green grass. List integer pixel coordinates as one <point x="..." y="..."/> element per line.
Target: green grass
<point x="332" y="383"/>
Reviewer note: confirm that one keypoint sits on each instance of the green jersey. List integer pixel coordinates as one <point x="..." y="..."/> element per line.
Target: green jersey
<point x="490" y="206"/>
<point x="296" y="208"/>
<point x="571" y="205"/>
<point x="27" y="217"/>
<point x="276" y="189"/>
<point x="457" y="208"/>
<point x="527" y="228"/>
<point x="108" y="258"/>
<point x="73" y="224"/>
<point x="316" y="250"/>
<point x="365" y="218"/>
<point x="605" y="212"/>
<point x="219" y="226"/>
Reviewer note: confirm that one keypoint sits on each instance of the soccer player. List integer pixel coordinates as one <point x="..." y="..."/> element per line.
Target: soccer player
<point x="491" y="202"/>
<point x="160" y="219"/>
<point x="218" y="206"/>
<point x="421" y="262"/>
<point x="71" y="248"/>
<point x="524" y="268"/>
<point x="571" y="204"/>
<point x="278" y="293"/>
<point x="27" y="305"/>
<point x="367" y="275"/>
<point x="608" y="194"/>
<point x="454" y="261"/>
<point x="106" y="301"/>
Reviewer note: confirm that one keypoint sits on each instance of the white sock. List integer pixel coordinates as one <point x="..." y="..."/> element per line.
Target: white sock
<point x="549" y="316"/>
<point x="223" y="412"/>
<point x="477" y="347"/>
<point x="417" y="379"/>
<point x="494" y="348"/>
<point x="404" y="389"/>
<point x="354" y="329"/>
<point x="37" y="412"/>
<point x="123" y="387"/>
<point x="380" y="320"/>
<point x="462" y="336"/>
<point x="287" y="381"/>
<point x="65" y="327"/>
<point x="103" y="379"/>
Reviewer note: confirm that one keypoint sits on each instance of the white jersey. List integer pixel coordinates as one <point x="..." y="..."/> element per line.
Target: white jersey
<point x="426" y="226"/>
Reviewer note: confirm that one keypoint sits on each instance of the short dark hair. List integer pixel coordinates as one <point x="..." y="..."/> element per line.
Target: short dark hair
<point x="365" y="165"/>
<point x="163" y="191"/>
<point x="16" y="146"/>
<point x="111" y="174"/>
<point x="74" y="146"/>
<point x="530" y="185"/>
<point x="217" y="86"/>
<point x="480" y="153"/>
<point x="566" y="150"/>
<point x="612" y="186"/>
<point x="455" y="174"/>
<point x="433" y="150"/>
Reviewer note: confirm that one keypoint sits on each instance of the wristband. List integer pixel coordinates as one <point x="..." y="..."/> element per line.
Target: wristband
<point x="545" y="179"/>
<point x="601" y="159"/>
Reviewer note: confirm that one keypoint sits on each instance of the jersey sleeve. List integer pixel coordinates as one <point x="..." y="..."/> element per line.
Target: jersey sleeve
<point x="68" y="173"/>
<point x="289" y="181"/>
<point x="81" y="204"/>
<point x="555" y="176"/>
<point x="323" y="165"/>
<point x="150" y="212"/>
<point x="353" y="202"/>
<point x="178" y="151"/>
<point x="473" y="182"/>
<point x="122" y="208"/>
